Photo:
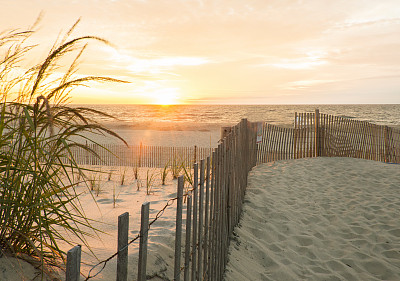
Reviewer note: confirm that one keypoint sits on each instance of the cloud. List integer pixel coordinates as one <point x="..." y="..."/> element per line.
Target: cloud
<point x="149" y="64"/>
<point x="305" y="84"/>
<point x="200" y="47"/>
<point x="308" y="61"/>
<point x="162" y="65"/>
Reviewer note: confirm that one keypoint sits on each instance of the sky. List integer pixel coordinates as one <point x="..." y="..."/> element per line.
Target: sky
<point x="227" y="51"/>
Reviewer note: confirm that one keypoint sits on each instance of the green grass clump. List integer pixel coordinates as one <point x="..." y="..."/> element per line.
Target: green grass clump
<point x="150" y="181"/>
<point x="176" y="166"/>
<point x="39" y="204"/>
<point x="115" y="196"/>
<point x="95" y="182"/>
<point x="122" y="177"/>
<point x="164" y="173"/>
<point x="188" y="174"/>
<point x="136" y="170"/>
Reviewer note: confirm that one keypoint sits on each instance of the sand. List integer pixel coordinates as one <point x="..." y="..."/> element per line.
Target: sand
<point x="17" y="270"/>
<point x="168" y="138"/>
<point x="319" y="219"/>
<point x="111" y="200"/>
<point x="128" y="198"/>
<point x="165" y="134"/>
<point x="306" y="219"/>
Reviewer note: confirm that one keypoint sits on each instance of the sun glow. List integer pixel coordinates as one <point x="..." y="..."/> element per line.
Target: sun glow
<point x="166" y="96"/>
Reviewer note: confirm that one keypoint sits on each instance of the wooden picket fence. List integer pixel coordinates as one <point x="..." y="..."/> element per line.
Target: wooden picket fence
<point x="213" y="208"/>
<point x="214" y="203"/>
<point x="316" y="134"/>
<point x="138" y="155"/>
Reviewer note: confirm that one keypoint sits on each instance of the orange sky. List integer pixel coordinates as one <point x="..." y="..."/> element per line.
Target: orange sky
<point x="246" y="52"/>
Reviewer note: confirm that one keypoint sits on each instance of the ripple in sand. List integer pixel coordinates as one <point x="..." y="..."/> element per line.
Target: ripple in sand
<point x="321" y="226"/>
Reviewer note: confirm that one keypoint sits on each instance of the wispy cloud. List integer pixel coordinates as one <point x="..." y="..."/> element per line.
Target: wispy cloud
<point x="154" y="64"/>
<point x="305" y="84"/>
<point x="163" y="65"/>
<point x="309" y="60"/>
<point x="196" y="47"/>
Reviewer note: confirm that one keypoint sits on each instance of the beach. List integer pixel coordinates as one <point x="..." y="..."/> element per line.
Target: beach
<point x="319" y="219"/>
<point x="102" y="117"/>
<point x="305" y="219"/>
<point x="110" y="198"/>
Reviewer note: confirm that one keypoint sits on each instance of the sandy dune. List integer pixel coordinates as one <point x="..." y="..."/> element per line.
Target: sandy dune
<point x="319" y="219"/>
<point x="105" y="214"/>
<point x="306" y="219"/>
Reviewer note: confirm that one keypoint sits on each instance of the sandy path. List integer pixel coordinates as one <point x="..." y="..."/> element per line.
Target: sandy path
<point x="319" y="219"/>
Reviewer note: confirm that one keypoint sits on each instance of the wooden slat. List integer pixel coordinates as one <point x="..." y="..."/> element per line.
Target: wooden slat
<point x="201" y="221"/>
<point x="144" y="229"/>
<point x="73" y="264"/>
<point x="122" y="258"/>
<point x="178" y="231"/>
<point x="207" y="220"/>
<point x="195" y="192"/>
<point x="187" y="240"/>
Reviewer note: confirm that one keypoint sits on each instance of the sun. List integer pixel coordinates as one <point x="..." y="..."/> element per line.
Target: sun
<point x="166" y="96"/>
<point x="165" y="100"/>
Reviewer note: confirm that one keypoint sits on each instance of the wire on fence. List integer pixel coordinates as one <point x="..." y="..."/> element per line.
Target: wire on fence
<point x="158" y="215"/>
<point x="104" y="262"/>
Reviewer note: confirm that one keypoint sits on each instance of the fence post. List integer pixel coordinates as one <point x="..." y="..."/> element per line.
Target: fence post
<point x="122" y="258"/>
<point x="225" y="131"/>
<point x="200" y="226"/>
<point x="195" y="221"/>
<point x="386" y="143"/>
<point x="178" y="232"/>
<point x="218" y="213"/>
<point x="212" y="233"/>
<point x="140" y="154"/>
<point x="144" y="232"/>
<point x="195" y="154"/>
<point x="316" y="134"/>
<point x="73" y="264"/>
<point x="207" y="223"/>
<point x="86" y="154"/>
<point x="188" y="233"/>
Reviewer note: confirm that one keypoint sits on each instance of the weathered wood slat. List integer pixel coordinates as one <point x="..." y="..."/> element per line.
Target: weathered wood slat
<point x="144" y="233"/>
<point x="188" y="245"/>
<point x="195" y="192"/>
<point x="178" y="231"/>
<point x="73" y="269"/>
<point x="122" y="258"/>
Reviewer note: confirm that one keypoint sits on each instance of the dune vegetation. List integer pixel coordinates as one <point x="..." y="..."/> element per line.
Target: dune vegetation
<point x="39" y="206"/>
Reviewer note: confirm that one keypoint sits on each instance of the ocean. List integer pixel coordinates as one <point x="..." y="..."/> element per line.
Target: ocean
<point x="183" y="125"/>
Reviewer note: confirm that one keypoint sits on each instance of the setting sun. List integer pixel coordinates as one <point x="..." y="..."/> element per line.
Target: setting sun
<point x="165" y="96"/>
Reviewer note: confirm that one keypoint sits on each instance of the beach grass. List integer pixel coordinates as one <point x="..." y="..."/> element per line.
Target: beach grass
<point x="176" y="166"/>
<point x="38" y="199"/>
<point x="150" y="181"/>
<point x="122" y="177"/>
<point x="164" y="173"/>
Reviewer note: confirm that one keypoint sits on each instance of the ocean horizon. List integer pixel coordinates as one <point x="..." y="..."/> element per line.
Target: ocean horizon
<point x="130" y="116"/>
<point x="187" y="125"/>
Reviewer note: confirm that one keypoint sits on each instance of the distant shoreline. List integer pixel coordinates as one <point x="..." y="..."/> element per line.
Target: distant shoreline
<point x="192" y="117"/>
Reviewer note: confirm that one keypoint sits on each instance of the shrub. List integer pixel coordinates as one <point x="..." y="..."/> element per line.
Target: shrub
<point x="39" y="205"/>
